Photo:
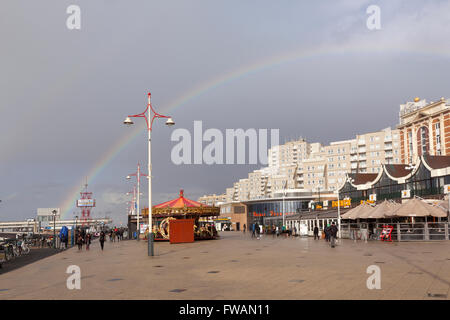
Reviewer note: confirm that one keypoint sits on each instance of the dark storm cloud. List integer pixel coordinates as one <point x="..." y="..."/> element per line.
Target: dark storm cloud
<point x="65" y="93"/>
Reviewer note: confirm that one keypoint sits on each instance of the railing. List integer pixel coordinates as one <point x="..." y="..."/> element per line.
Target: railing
<point x="421" y="231"/>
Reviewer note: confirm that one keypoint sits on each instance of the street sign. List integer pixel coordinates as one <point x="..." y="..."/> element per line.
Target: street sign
<point x="406" y="193"/>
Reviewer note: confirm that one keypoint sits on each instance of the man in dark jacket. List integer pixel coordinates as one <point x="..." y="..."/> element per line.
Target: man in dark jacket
<point x="102" y="239"/>
<point x="333" y="234"/>
<point x="325" y="231"/>
<point x="316" y="233"/>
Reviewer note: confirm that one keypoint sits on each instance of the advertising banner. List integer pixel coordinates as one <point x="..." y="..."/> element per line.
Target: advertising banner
<point x="86" y="203"/>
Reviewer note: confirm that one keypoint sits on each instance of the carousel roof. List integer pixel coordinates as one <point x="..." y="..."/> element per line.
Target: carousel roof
<point x="182" y="206"/>
<point x="180" y="202"/>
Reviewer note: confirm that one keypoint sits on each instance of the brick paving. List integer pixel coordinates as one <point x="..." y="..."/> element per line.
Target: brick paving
<point x="238" y="267"/>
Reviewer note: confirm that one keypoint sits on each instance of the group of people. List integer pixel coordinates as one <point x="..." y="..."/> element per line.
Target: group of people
<point x="330" y="232"/>
<point x="116" y="233"/>
<point x="258" y="230"/>
<point x="85" y="238"/>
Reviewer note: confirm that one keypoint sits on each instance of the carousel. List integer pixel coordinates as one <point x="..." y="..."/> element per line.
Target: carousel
<point x="183" y="208"/>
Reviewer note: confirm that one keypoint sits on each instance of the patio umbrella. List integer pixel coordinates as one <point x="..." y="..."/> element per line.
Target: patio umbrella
<point x="380" y="211"/>
<point x="353" y="214"/>
<point x="417" y="208"/>
<point x="365" y="211"/>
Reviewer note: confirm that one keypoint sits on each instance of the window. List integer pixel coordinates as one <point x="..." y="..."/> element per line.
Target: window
<point x="410" y="146"/>
<point x="437" y="126"/>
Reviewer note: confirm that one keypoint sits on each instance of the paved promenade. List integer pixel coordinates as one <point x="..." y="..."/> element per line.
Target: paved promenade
<point x="238" y="267"/>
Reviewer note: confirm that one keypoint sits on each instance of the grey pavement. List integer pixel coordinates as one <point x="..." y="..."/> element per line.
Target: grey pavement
<point x="238" y="267"/>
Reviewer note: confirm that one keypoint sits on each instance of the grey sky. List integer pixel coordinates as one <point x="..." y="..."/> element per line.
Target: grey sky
<point x="64" y="94"/>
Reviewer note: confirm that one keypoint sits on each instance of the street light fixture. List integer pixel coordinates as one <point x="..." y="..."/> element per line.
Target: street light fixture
<point x="152" y="114"/>
<point x="136" y="205"/>
<point x="54" y="228"/>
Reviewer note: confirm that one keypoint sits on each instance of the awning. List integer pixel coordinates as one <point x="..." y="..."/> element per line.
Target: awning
<point x="417" y="208"/>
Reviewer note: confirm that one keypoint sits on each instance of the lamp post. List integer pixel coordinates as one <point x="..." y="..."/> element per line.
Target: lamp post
<point x="138" y="176"/>
<point x="152" y="114"/>
<point x="339" y="214"/>
<point x="76" y="228"/>
<point x="284" y="195"/>
<point x="54" y="229"/>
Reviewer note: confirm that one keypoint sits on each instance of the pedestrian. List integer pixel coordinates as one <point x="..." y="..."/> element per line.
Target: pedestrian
<point x="253" y="230"/>
<point x="110" y="235"/>
<point x="333" y="234"/>
<point x="88" y="240"/>
<point x="102" y="239"/>
<point x="244" y="228"/>
<point x="316" y="233"/>
<point x="327" y="233"/>
<point x="364" y="235"/>
<point x="80" y="241"/>
<point x="113" y="236"/>
<point x="257" y="230"/>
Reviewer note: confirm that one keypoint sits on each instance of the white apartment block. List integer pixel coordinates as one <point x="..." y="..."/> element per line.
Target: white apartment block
<point x="213" y="199"/>
<point x="312" y="166"/>
<point x="371" y="150"/>
<point x="289" y="153"/>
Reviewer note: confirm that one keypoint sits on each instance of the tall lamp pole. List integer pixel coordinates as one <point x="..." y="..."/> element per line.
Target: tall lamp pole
<point x="152" y="114"/>
<point x="138" y="176"/>
<point x="54" y="229"/>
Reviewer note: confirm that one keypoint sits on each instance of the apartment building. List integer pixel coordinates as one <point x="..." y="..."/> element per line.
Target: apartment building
<point x="213" y="199"/>
<point x="327" y="166"/>
<point x="370" y="150"/>
<point x="289" y="153"/>
<point x="424" y="129"/>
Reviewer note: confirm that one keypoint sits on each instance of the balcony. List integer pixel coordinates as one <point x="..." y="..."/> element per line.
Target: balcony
<point x="388" y="146"/>
<point x="361" y="142"/>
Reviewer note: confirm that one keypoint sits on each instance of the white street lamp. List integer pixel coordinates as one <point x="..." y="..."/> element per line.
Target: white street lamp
<point x="169" y="122"/>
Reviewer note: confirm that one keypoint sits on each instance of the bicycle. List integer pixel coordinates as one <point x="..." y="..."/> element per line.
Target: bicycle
<point x="25" y="248"/>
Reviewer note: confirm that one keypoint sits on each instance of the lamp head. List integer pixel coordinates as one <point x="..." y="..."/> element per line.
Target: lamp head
<point x="128" y="121"/>
<point x="170" y="122"/>
<point x="128" y="177"/>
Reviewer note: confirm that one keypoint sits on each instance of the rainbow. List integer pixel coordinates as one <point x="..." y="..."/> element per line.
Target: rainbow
<point x="69" y="203"/>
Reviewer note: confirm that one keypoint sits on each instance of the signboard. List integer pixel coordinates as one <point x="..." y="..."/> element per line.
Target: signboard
<point x="325" y="203"/>
<point x="447" y="188"/>
<point x="342" y="203"/>
<point x="47" y="211"/>
<point x="367" y="201"/>
<point x="373" y="197"/>
<point x="406" y="193"/>
<point x="143" y="227"/>
<point x="86" y="203"/>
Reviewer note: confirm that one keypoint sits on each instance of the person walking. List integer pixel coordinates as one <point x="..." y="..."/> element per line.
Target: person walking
<point x="80" y="241"/>
<point x="333" y="234"/>
<point x="244" y="228"/>
<point x="253" y="230"/>
<point x="113" y="236"/>
<point x="257" y="230"/>
<point x="88" y="240"/>
<point x="102" y="239"/>
<point x="327" y="233"/>
<point x="316" y="233"/>
<point x="110" y="235"/>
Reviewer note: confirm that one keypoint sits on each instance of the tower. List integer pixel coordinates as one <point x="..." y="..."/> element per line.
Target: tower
<point x="86" y="203"/>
